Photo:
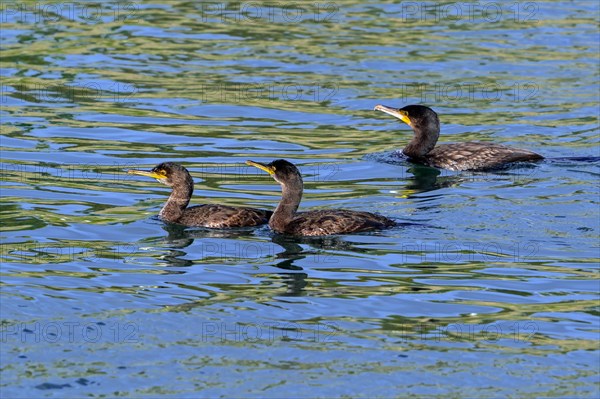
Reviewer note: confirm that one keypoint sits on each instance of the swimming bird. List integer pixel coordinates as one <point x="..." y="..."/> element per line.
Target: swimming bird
<point x="459" y="156"/>
<point x="286" y="220"/>
<point x="175" y="209"/>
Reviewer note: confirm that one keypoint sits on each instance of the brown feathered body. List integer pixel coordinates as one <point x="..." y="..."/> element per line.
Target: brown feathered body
<point x="287" y="220"/>
<point x="334" y="221"/>
<point x="217" y="216"/>
<point x="474" y="156"/>
<point x="460" y="156"/>
<point x="175" y="209"/>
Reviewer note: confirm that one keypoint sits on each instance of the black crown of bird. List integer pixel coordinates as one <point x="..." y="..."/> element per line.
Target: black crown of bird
<point x="471" y="155"/>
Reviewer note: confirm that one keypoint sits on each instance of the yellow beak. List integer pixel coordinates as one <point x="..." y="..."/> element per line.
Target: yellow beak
<point x="269" y="169"/>
<point x="146" y="173"/>
<point x="396" y="113"/>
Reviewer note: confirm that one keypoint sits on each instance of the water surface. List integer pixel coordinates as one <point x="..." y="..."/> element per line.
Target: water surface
<point x="488" y="288"/>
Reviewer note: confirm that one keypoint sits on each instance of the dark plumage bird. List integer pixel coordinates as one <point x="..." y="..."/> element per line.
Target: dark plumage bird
<point x="175" y="209"/>
<point x="460" y="156"/>
<point x="286" y="220"/>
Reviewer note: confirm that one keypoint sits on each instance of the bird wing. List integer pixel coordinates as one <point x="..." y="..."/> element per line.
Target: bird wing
<point x="339" y="221"/>
<point x="474" y="155"/>
<point x="223" y="216"/>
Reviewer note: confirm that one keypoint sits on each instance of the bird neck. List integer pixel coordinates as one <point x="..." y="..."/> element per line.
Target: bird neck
<point x="177" y="202"/>
<point x="423" y="142"/>
<point x="291" y="194"/>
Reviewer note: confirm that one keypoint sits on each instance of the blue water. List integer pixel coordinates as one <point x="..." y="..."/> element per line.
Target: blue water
<point x="488" y="288"/>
